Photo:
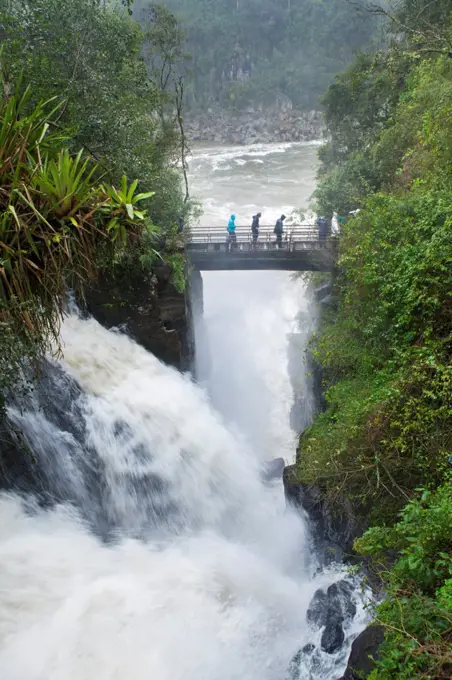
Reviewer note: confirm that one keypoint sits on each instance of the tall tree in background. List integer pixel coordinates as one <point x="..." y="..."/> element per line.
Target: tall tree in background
<point x="255" y="52"/>
<point x="92" y="53"/>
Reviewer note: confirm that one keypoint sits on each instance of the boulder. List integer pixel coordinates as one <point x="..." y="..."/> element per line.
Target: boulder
<point x="329" y="610"/>
<point x="273" y="469"/>
<point x="333" y="636"/>
<point x="340" y="599"/>
<point x="364" y="653"/>
<point x="317" y="613"/>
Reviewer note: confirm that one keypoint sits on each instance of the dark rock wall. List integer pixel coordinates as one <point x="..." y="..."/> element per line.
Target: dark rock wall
<point x="150" y="309"/>
<point x="333" y="529"/>
<point x="364" y="653"/>
<point x="16" y="462"/>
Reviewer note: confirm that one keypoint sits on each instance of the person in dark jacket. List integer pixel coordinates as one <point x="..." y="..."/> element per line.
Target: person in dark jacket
<point x="322" y="224"/>
<point x="255" y="227"/>
<point x="279" y="230"/>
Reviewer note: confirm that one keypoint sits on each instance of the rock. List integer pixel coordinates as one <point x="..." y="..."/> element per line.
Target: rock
<point x="323" y="291"/>
<point x="329" y="610"/>
<point x="154" y="313"/>
<point x="273" y="469"/>
<point x="16" y="461"/>
<point x="277" y="123"/>
<point x="294" y="666"/>
<point x="363" y="654"/>
<point x="308" y="649"/>
<point x="339" y="596"/>
<point x="317" y="613"/>
<point x="333" y="606"/>
<point x="333" y="531"/>
<point x="333" y="636"/>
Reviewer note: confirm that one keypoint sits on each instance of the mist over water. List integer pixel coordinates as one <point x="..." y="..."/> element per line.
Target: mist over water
<point x="249" y="315"/>
<point x="167" y="556"/>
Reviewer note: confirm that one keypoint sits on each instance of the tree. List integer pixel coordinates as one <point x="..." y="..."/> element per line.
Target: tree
<point x="251" y="52"/>
<point x="91" y="53"/>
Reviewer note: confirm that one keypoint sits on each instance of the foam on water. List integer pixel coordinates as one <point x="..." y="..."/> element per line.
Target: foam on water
<point x="168" y="557"/>
<point x="223" y="596"/>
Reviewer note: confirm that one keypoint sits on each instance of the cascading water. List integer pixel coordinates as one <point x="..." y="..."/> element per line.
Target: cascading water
<point x="166" y="556"/>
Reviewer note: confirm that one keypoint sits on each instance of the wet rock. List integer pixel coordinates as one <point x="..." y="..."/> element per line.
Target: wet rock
<point x="273" y="469"/>
<point x="154" y="313"/>
<point x="364" y="653"/>
<point x="323" y="291"/>
<point x="317" y="613"/>
<point x="333" y="530"/>
<point x="333" y="636"/>
<point x="329" y="610"/>
<point x="340" y="599"/>
<point x="308" y="649"/>
<point x="294" y="666"/>
<point x="16" y="461"/>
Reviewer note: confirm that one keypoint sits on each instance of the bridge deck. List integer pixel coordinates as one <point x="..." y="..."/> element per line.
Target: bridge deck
<point x="301" y="249"/>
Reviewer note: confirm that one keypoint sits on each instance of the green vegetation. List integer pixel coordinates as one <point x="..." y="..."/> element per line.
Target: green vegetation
<point x="90" y="146"/>
<point x="252" y="52"/>
<point x="384" y="442"/>
<point x="417" y="612"/>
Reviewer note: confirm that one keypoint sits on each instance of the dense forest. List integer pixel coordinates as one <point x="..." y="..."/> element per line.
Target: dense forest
<point x="247" y="53"/>
<point x="90" y="151"/>
<point x="382" y="448"/>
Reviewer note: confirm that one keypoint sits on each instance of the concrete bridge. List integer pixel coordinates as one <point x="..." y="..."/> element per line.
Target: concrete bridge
<point x="209" y="248"/>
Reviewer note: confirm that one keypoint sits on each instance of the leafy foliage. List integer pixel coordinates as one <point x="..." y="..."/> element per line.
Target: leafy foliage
<point x="109" y="88"/>
<point x="417" y="613"/>
<point x="55" y="217"/>
<point x="101" y="61"/>
<point x="385" y="342"/>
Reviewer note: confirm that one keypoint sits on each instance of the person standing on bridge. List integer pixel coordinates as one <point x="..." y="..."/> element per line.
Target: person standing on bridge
<point x="255" y="228"/>
<point x="279" y="230"/>
<point x="232" y="240"/>
<point x="322" y="224"/>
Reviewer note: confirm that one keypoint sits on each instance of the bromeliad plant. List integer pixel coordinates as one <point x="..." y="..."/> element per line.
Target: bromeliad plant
<point x="54" y="217"/>
<point x="121" y="206"/>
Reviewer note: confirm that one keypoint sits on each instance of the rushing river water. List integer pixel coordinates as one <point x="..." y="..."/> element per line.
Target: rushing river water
<point x="173" y="560"/>
<point x="249" y="315"/>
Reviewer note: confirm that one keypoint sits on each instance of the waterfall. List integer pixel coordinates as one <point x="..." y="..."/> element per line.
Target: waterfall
<point x="165" y="556"/>
<point x="151" y="548"/>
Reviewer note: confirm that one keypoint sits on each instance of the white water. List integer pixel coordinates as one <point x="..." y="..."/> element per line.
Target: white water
<point x="249" y="315"/>
<point x="209" y="575"/>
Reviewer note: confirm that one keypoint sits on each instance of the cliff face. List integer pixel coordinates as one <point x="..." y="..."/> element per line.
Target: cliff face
<point x="255" y="126"/>
<point x="150" y="309"/>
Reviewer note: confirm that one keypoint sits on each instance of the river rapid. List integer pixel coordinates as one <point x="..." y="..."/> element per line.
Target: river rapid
<point x="164" y="555"/>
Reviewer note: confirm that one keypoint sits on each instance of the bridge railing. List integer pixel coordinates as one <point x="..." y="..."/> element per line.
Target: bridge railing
<point x="266" y="233"/>
<point x="296" y="237"/>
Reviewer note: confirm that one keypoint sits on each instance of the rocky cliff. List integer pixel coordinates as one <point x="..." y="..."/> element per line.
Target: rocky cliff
<point x="255" y="126"/>
<point x="150" y="309"/>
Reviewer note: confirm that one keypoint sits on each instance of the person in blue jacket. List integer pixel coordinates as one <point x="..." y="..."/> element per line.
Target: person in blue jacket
<point x="231" y="231"/>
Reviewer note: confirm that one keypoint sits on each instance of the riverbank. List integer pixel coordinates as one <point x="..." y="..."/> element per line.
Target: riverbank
<point x="255" y="126"/>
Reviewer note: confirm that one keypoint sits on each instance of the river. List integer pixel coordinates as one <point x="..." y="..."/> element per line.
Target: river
<point x="249" y="315"/>
<point x="165" y="555"/>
